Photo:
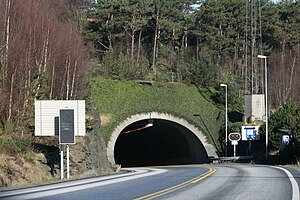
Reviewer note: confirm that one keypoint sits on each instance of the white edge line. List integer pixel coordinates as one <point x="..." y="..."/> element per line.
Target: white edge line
<point x="295" y="187"/>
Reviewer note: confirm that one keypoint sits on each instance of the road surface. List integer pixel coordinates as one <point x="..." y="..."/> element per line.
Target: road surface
<point x="224" y="181"/>
<point x="245" y="182"/>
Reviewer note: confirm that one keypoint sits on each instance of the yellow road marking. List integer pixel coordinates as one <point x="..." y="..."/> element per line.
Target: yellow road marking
<point x="179" y="186"/>
<point x="203" y="177"/>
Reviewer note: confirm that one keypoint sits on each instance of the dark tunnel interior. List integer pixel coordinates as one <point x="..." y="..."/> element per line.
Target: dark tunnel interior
<point x="164" y="143"/>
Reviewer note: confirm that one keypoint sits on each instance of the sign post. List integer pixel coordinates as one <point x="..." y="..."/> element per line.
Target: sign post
<point x="61" y="164"/>
<point x="66" y="132"/>
<point x="68" y="162"/>
<point x="234" y="138"/>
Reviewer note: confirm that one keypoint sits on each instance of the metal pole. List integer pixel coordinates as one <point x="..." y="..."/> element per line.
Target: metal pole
<point x="61" y="164"/>
<point x="234" y="150"/>
<point x="266" y="109"/>
<point x="226" y="121"/>
<point x="226" y="116"/>
<point x="68" y="162"/>
<point x="266" y="103"/>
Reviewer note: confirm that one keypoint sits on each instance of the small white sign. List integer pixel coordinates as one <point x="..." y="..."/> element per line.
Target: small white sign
<point x="285" y="139"/>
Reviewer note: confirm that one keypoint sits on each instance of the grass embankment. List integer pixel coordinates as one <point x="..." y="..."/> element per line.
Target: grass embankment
<point x="118" y="100"/>
<point x="22" y="165"/>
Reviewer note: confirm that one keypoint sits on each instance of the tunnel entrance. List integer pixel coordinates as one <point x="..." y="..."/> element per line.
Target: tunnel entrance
<point x="158" y="142"/>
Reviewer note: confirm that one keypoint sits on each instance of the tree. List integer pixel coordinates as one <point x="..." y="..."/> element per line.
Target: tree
<point x="286" y="117"/>
<point x="103" y="24"/>
<point x="45" y="56"/>
<point x="171" y="35"/>
<point x="284" y="38"/>
<point x="222" y="29"/>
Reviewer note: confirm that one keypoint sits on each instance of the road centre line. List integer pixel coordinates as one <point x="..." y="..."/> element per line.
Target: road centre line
<point x="203" y="177"/>
<point x="179" y="186"/>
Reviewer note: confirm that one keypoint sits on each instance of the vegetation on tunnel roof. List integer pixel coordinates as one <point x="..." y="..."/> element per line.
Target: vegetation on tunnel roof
<point x="121" y="99"/>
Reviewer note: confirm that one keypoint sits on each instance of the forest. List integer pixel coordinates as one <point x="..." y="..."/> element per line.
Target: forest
<point x="200" y="42"/>
<point x="42" y="56"/>
<point x="50" y="48"/>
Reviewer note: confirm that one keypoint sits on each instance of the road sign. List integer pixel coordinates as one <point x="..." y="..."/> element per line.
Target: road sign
<point x="250" y="133"/>
<point x="66" y="127"/>
<point x="234" y="136"/>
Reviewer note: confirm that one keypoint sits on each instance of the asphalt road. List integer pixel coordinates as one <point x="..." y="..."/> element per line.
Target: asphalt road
<point x="225" y="181"/>
<point x="245" y="182"/>
<point x="139" y="183"/>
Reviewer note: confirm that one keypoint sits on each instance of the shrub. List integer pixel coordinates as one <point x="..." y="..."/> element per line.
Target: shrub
<point x="20" y="145"/>
<point x="286" y="117"/>
<point x="8" y="127"/>
<point x="203" y="72"/>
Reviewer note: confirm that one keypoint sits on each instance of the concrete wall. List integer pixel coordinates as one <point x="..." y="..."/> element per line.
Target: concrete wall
<point x="255" y="106"/>
<point x="210" y="149"/>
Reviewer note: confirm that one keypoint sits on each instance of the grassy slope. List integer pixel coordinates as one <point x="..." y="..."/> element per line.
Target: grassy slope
<point x="121" y="99"/>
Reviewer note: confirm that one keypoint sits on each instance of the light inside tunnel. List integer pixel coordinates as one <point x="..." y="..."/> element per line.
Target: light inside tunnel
<point x="164" y="143"/>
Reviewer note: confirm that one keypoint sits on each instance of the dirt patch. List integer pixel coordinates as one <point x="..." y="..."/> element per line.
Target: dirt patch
<point x="105" y="118"/>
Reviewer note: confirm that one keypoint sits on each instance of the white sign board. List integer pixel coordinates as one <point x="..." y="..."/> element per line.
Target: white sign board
<point x="250" y="133"/>
<point x="47" y="112"/>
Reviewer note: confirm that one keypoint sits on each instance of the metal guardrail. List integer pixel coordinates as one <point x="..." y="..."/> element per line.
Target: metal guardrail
<point x="232" y="159"/>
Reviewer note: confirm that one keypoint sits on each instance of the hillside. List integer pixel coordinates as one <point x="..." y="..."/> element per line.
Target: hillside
<point x="118" y="100"/>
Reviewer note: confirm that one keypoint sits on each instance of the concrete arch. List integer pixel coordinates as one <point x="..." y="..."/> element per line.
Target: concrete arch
<point x="210" y="149"/>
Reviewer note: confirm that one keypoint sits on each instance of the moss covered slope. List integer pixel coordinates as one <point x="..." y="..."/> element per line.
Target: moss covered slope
<point x="119" y="100"/>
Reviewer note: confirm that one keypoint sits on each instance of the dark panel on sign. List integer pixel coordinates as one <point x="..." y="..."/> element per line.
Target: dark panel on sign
<point x="66" y="126"/>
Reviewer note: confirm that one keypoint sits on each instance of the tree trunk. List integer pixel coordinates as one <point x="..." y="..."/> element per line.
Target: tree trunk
<point x="68" y="64"/>
<point x="184" y="39"/>
<point x="139" y="47"/>
<point x="132" y="39"/>
<point x="282" y="68"/>
<point x="197" y="49"/>
<point x="43" y="62"/>
<point x="28" y="74"/>
<point x="12" y="82"/>
<point x="290" y="80"/>
<point x="7" y="38"/>
<point x="109" y="34"/>
<point x="52" y="81"/>
<point x="73" y="80"/>
<point x="156" y="37"/>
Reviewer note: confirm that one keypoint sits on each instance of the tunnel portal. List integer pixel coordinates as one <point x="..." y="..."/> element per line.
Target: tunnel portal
<point x="153" y="142"/>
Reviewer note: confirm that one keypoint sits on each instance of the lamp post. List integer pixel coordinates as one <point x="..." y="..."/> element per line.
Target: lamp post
<point x="266" y="101"/>
<point x="226" y="117"/>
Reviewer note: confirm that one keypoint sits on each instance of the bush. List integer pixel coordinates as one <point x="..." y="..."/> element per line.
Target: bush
<point x="204" y="72"/>
<point x="20" y="145"/>
<point x="8" y="127"/>
<point x="122" y="67"/>
<point x="286" y="117"/>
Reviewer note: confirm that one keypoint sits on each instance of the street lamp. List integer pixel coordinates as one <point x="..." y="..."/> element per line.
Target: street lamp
<point x="266" y="101"/>
<point x="226" y="117"/>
